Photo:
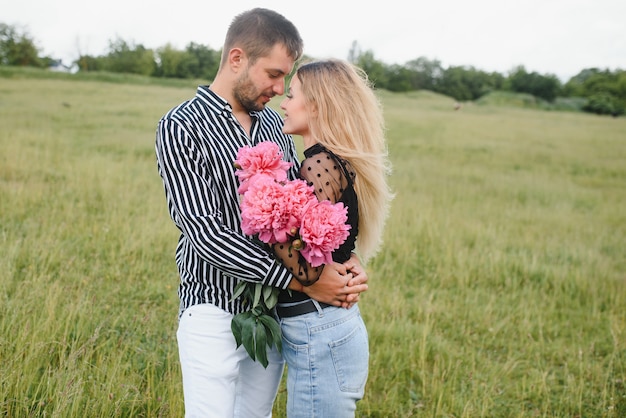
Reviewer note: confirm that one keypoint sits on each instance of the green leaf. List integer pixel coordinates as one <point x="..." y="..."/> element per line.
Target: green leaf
<point x="257" y="311"/>
<point x="261" y="345"/>
<point x="273" y="330"/>
<point x="257" y="294"/>
<point x="272" y="300"/>
<point x="247" y="336"/>
<point x="237" y="324"/>
<point x="239" y="289"/>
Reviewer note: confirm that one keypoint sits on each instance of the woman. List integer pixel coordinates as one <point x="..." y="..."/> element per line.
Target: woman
<point x="332" y="106"/>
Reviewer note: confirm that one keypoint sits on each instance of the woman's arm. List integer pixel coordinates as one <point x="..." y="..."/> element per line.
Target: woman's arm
<point x="328" y="178"/>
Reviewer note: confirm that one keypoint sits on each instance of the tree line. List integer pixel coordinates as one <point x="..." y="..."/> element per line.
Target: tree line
<point x="595" y="90"/>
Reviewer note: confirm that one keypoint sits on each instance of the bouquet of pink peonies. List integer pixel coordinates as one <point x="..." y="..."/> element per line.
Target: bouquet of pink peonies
<point x="278" y="210"/>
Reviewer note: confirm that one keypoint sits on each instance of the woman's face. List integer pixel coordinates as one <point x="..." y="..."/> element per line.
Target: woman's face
<point x="296" y="121"/>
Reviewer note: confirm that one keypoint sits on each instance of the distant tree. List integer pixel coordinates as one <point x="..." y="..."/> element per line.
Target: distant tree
<point x="613" y="83"/>
<point x="604" y="90"/>
<point x="620" y="81"/>
<point x="196" y="61"/>
<point x="454" y="84"/>
<point x="496" y="81"/>
<point x="468" y="83"/>
<point x="399" y="78"/>
<point x="205" y="61"/>
<point x="575" y="86"/>
<point x="546" y="87"/>
<point x="90" y="63"/>
<point x="376" y="70"/>
<point x="170" y="62"/>
<point x="426" y="74"/>
<point x="604" y="104"/>
<point x="18" y="48"/>
<point x="127" y="58"/>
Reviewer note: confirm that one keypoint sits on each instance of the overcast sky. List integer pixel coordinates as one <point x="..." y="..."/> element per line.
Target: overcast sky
<point x="558" y="37"/>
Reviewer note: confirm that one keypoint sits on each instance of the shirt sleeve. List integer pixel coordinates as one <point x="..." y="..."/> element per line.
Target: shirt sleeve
<point x="197" y="209"/>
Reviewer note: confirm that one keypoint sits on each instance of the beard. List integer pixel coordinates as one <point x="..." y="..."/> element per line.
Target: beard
<point x="247" y="94"/>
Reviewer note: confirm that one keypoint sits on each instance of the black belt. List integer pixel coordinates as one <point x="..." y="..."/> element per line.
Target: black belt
<point x="299" y="309"/>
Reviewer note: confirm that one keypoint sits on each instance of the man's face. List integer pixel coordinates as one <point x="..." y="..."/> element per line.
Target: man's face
<point x="263" y="80"/>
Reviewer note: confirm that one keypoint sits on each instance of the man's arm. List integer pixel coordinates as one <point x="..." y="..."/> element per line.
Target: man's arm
<point x="195" y="206"/>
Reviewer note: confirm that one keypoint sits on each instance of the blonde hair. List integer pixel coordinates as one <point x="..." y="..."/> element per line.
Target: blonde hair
<point x="349" y="122"/>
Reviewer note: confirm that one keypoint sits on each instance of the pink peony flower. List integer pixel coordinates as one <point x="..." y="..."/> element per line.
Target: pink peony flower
<point x="323" y="230"/>
<point x="272" y="210"/>
<point x="264" y="158"/>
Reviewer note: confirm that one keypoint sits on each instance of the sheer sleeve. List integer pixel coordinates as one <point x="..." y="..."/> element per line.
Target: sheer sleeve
<point x="297" y="265"/>
<point x="329" y="176"/>
<point x="326" y="175"/>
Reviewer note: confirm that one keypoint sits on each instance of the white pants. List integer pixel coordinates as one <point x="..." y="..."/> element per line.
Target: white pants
<point x="220" y="380"/>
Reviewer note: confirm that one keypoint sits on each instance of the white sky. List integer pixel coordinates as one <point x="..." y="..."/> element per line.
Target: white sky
<point x="559" y="37"/>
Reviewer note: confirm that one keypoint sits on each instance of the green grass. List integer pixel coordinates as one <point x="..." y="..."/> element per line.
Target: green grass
<point x="500" y="292"/>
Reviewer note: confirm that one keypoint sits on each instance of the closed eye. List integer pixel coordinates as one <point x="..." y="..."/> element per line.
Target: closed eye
<point x="277" y="74"/>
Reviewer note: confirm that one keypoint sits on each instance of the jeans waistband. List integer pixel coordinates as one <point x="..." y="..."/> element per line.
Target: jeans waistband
<point x="299" y="309"/>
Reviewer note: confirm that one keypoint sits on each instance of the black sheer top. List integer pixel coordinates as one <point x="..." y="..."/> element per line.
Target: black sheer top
<point x="333" y="179"/>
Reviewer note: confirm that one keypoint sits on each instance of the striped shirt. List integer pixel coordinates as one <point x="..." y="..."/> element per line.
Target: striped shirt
<point x="196" y="145"/>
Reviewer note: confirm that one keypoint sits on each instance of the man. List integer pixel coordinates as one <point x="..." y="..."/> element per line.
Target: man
<point x="196" y="145"/>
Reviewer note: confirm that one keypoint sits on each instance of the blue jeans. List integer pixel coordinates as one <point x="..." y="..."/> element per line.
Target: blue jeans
<point x="327" y="356"/>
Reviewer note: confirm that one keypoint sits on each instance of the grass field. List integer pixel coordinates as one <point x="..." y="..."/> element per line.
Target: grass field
<point x="501" y="290"/>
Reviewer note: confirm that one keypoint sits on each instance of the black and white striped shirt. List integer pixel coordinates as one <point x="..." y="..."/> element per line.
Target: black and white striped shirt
<point x="196" y="145"/>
